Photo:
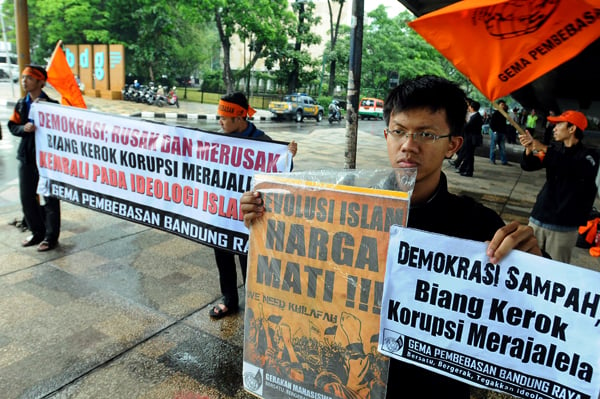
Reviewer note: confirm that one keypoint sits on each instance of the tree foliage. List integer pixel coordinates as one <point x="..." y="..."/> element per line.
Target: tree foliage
<point x="196" y="37"/>
<point x="261" y="25"/>
<point x="160" y="37"/>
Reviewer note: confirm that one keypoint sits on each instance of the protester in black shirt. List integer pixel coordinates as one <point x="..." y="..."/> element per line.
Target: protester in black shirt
<point x="425" y="117"/>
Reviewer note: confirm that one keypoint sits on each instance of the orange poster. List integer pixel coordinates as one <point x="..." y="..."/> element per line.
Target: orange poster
<point x="316" y="266"/>
<point x="501" y="45"/>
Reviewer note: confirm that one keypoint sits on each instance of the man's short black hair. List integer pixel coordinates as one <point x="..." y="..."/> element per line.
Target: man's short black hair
<point x="432" y="92"/>
<point x="475" y="105"/>
<point x="236" y="98"/>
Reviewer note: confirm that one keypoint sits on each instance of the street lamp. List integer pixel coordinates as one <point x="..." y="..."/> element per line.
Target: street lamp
<point x="6" y="48"/>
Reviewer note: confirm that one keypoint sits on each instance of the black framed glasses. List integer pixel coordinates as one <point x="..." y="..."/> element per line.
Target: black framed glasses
<point x="420" y="137"/>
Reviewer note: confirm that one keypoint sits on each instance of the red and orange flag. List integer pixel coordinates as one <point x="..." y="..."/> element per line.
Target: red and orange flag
<point x="501" y="45"/>
<point x="62" y="79"/>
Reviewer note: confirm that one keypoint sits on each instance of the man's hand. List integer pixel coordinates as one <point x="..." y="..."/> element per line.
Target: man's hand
<point x="252" y="206"/>
<point x="29" y="127"/>
<point x="512" y="236"/>
<point x="293" y="148"/>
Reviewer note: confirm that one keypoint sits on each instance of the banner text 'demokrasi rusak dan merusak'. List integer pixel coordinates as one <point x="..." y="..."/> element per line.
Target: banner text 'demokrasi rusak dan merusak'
<point x="314" y="286"/>
<point x="184" y="181"/>
<point x="528" y="326"/>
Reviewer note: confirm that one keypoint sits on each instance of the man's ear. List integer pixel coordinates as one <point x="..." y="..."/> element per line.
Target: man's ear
<point x="455" y="143"/>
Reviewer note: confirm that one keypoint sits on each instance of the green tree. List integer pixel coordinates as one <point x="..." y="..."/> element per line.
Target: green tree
<point x="390" y="45"/>
<point x="295" y="64"/>
<point x="262" y="24"/>
<point x="160" y="37"/>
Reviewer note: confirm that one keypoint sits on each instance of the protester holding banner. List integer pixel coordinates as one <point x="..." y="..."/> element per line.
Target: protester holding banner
<point x="233" y="112"/>
<point x="565" y="201"/>
<point x="43" y="219"/>
<point x="425" y="118"/>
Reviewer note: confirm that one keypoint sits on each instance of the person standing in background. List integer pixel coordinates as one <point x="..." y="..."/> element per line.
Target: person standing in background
<point x="42" y="220"/>
<point x="473" y="138"/>
<point x="532" y="119"/>
<point x="498" y="126"/>
<point x="548" y="129"/>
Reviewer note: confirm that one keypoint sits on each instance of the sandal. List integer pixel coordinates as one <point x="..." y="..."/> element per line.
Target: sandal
<point x="221" y="311"/>
<point x="46" y="245"/>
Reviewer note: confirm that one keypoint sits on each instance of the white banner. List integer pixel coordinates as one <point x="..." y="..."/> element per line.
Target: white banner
<point x="184" y="181"/>
<point x="528" y="326"/>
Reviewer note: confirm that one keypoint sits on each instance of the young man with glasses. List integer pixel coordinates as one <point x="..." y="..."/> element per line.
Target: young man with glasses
<point x="425" y="117"/>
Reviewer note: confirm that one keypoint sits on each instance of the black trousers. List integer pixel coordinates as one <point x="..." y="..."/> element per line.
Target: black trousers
<point x="228" y="275"/>
<point x="468" y="156"/>
<point x="42" y="220"/>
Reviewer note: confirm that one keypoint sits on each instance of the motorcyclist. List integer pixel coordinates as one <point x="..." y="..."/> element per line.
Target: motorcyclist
<point x="334" y="109"/>
<point x="172" y="97"/>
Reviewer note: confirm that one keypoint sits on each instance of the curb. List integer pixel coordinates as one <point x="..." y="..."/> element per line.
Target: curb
<point x="157" y="115"/>
<point x="174" y="115"/>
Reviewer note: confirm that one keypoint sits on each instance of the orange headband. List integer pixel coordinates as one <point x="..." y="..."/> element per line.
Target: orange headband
<point x="33" y="73"/>
<point x="232" y="110"/>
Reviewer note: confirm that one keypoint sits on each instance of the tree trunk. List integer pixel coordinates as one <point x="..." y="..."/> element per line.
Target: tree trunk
<point x="332" y="66"/>
<point x="226" y="45"/>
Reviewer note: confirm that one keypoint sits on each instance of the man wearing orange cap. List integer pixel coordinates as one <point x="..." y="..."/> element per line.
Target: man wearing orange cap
<point x="566" y="199"/>
<point x="233" y="112"/>
<point x="43" y="221"/>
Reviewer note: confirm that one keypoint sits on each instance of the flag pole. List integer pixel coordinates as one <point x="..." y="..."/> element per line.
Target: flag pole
<point x="58" y="45"/>
<point x="508" y="118"/>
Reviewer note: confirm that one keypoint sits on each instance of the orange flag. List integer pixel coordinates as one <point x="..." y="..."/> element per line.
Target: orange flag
<point x="62" y="79"/>
<point x="501" y="45"/>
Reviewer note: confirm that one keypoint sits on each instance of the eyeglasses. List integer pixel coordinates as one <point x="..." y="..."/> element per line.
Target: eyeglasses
<point x="420" y="137"/>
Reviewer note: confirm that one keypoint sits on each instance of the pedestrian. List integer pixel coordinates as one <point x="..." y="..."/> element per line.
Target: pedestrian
<point x="473" y="138"/>
<point x="425" y="117"/>
<point x="565" y="201"/>
<point x="511" y="131"/>
<point x="233" y="112"/>
<point x="42" y="214"/>
<point x="548" y="128"/>
<point x="532" y="119"/>
<point x="460" y="155"/>
<point x="498" y="126"/>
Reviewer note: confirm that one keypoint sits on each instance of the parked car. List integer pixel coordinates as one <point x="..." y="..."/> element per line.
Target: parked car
<point x="296" y="106"/>
<point x="370" y="108"/>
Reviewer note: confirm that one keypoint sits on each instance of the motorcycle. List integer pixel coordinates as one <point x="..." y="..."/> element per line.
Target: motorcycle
<point x="170" y="99"/>
<point x="334" y="113"/>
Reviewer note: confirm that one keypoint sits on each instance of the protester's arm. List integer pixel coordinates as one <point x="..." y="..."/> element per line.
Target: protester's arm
<point x="512" y="236"/>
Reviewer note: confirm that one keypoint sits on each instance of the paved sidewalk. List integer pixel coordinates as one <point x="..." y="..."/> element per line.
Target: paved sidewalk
<point x="120" y="310"/>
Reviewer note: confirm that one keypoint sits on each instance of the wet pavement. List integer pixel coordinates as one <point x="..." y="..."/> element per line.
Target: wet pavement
<point x="120" y="310"/>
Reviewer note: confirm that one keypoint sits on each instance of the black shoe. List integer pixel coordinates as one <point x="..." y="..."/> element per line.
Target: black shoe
<point x="31" y="241"/>
<point x="466" y="174"/>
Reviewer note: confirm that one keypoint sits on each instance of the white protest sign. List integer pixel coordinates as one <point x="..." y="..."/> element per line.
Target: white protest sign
<point x="528" y="326"/>
<point x="184" y="181"/>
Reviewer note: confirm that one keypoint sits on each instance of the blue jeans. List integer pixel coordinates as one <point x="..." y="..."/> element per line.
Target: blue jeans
<point x="499" y="140"/>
